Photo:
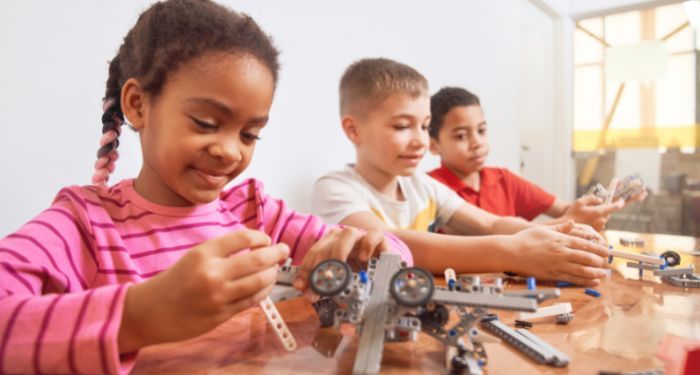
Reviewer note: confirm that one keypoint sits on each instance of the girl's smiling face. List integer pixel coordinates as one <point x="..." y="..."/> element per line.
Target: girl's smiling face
<point x="200" y="131"/>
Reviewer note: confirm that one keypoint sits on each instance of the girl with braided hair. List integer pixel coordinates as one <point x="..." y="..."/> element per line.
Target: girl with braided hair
<point x="170" y="254"/>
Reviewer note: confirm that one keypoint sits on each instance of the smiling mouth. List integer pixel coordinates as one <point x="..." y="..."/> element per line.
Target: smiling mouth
<point x="212" y="179"/>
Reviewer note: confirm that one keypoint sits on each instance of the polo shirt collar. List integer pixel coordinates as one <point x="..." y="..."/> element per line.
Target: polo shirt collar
<point x="486" y="176"/>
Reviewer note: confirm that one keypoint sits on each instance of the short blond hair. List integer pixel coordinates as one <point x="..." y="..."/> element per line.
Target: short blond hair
<point x="367" y="82"/>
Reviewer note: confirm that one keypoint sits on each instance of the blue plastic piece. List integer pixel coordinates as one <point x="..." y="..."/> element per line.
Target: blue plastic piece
<point x="452" y="332"/>
<point x="451" y="284"/>
<point x="481" y="363"/>
<point x="531" y="283"/>
<point x="592" y="292"/>
<point x="565" y="284"/>
<point x="363" y="277"/>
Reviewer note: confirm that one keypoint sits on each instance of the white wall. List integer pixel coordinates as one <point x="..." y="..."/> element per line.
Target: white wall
<point x="54" y="65"/>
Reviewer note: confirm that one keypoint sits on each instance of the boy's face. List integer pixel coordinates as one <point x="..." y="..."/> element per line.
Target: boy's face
<point x="462" y="142"/>
<point x="393" y="137"/>
<point x="200" y="132"/>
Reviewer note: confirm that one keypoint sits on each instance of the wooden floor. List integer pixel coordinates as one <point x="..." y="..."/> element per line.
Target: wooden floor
<point x="619" y="331"/>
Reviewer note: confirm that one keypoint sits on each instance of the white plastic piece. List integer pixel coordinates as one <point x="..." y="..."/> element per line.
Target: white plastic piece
<point x="557" y="309"/>
<point x="450" y="274"/>
<point x="637" y="257"/>
<point x="278" y="325"/>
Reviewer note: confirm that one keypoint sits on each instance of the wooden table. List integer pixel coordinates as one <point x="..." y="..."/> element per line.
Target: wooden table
<point x="619" y="331"/>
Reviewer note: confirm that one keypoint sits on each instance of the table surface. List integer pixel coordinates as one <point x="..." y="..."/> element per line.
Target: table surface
<point x="619" y="331"/>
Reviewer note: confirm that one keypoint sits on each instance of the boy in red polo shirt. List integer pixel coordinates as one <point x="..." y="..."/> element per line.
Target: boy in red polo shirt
<point x="458" y="133"/>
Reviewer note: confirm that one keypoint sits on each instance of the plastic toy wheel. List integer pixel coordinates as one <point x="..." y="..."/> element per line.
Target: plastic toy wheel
<point x="671" y="257"/>
<point x="412" y="287"/>
<point x="330" y="277"/>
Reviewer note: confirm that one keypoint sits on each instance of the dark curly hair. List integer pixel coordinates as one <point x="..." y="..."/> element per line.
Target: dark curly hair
<point x="166" y="36"/>
<point x="443" y="101"/>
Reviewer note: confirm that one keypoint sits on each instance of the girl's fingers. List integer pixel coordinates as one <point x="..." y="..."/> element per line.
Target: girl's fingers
<point x="236" y="241"/>
<point x="239" y="266"/>
<point x="249" y="301"/>
<point x="372" y="242"/>
<point x="245" y="287"/>
<point x="343" y="246"/>
<point x="309" y="261"/>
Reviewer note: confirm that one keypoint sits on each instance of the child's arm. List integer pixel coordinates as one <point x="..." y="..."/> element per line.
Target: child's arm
<point x="50" y="319"/>
<point x="540" y="251"/>
<point x="470" y="219"/>
<point x="587" y="210"/>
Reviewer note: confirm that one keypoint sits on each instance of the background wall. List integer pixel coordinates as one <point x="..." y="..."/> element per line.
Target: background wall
<point x="54" y="67"/>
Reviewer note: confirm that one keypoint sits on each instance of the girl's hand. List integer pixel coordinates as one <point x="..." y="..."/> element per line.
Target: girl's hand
<point x="552" y="255"/>
<point x="347" y="244"/>
<point x="204" y="288"/>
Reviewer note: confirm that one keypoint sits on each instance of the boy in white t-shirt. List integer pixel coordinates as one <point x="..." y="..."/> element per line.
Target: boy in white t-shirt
<point x="385" y="112"/>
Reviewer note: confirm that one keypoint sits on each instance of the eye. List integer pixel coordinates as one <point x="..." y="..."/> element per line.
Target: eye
<point x="400" y="126"/>
<point x="250" y="137"/>
<point x="425" y="127"/>
<point x="203" y="124"/>
<point x="482" y="131"/>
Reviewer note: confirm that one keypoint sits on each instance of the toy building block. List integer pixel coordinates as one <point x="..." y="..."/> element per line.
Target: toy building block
<point x="631" y="242"/>
<point x="556" y="309"/>
<point x="371" y="346"/>
<point x="390" y="302"/>
<point x="683" y="281"/>
<point x="278" y="325"/>
<point x="592" y="292"/>
<point x="564" y="318"/>
<point x="281" y="293"/>
<point x="528" y="343"/>
<point x="638" y="257"/>
<point x="287" y="273"/>
<point x="689" y="270"/>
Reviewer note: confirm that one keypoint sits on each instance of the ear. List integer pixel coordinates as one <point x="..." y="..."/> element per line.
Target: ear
<point x="351" y="129"/>
<point x="133" y="102"/>
<point x="434" y="146"/>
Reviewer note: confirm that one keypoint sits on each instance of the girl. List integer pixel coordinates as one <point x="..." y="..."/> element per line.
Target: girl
<point x="105" y="270"/>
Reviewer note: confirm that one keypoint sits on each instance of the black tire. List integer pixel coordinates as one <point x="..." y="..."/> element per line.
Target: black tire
<point x="671" y="257"/>
<point x="341" y="277"/>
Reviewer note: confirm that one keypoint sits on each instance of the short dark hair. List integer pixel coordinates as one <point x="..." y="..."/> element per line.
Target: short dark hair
<point x="443" y="101"/>
<point x="367" y="82"/>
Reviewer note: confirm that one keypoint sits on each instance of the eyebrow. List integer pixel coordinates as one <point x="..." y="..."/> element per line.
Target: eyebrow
<point x="408" y="117"/>
<point x="464" y="127"/>
<point x="223" y="108"/>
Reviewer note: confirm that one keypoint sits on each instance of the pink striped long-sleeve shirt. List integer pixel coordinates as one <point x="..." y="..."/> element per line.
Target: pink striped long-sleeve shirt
<point x="64" y="275"/>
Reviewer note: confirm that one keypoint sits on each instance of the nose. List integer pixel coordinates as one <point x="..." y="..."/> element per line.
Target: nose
<point x="420" y="138"/>
<point x="229" y="151"/>
<point x="474" y="141"/>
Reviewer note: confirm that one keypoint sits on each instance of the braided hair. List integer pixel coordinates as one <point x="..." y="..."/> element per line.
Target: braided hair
<point x="166" y="36"/>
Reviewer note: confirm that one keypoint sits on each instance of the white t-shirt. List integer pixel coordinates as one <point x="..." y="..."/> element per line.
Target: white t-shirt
<point x="428" y="203"/>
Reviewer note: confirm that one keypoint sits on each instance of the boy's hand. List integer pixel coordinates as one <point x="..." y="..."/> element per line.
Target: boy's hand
<point x="590" y="210"/>
<point x="552" y="255"/>
<point x="347" y="244"/>
<point x="583" y="231"/>
<point x="204" y="288"/>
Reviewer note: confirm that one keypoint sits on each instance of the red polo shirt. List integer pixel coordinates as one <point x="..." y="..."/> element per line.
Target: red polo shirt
<point x="502" y="192"/>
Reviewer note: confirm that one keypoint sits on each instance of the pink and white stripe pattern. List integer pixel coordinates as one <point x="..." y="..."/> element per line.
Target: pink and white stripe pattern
<point x="64" y="274"/>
